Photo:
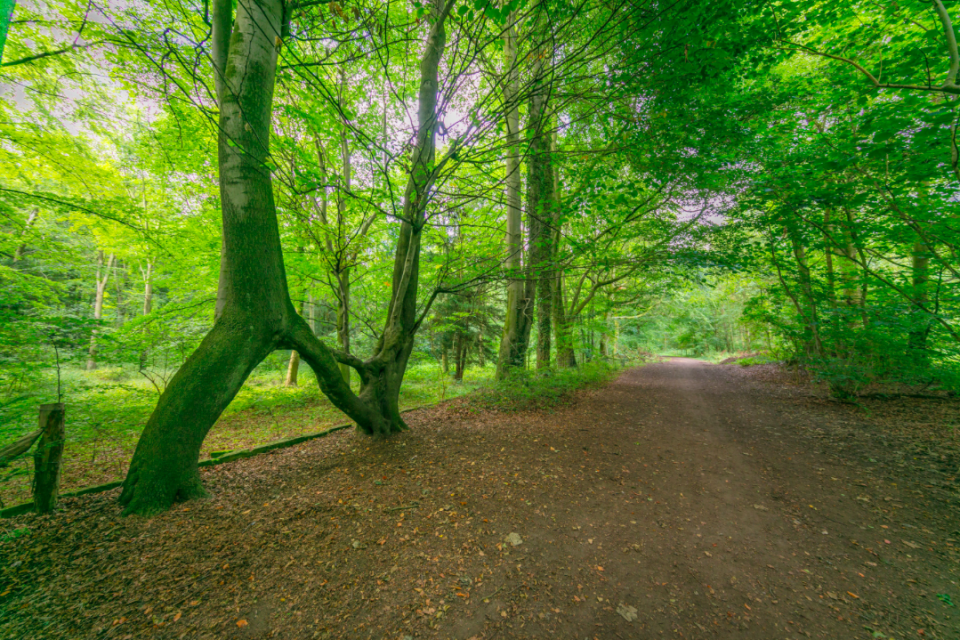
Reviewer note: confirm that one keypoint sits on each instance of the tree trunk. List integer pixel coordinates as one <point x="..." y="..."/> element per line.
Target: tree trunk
<point x="255" y="315"/>
<point x="147" y="304"/>
<point x="293" y="365"/>
<point x="22" y="247"/>
<point x="343" y="317"/>
<point x="459" y="348"/>
<point x="920" y="320"/>
<point x="101" y="291"/>
<point x="540" y="203"/>
<point x="513" y="343"/>
<point x="812" y="339"/>
<point x="382" y="375"/>
<point x="343" y="272"/>
<point x="481" y="356"/>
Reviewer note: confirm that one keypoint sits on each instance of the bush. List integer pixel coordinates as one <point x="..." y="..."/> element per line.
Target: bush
<point x="545" y="389"/>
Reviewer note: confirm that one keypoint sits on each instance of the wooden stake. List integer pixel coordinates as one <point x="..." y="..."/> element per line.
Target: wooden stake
<point x="48" y="456"/>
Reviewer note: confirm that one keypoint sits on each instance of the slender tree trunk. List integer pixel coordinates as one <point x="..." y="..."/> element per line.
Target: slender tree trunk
<point x="22" y="247"/>
<point x="119" y="282"/>
<point x="813" y="345"/>
<point x="382" y="375"/>
<point x="920" y="321"/>
<point x="513" y="343"/>
<point x="481" y="356"/>
<point x="540" y="202"/>
<point x="343" y="317"/>
<point x="147" y="304"/>
<point x="343" y="273"/>
<point x="101" y="291"/>
<point x="850" y="273"/>
<point x="603" y="335"/>
<point x="459" y="347"/>
<point x="828" y="254"/>
<point x="293" y="365"/>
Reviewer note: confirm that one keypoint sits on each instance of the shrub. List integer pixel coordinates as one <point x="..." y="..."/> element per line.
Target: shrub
<point x="544" y="389"/>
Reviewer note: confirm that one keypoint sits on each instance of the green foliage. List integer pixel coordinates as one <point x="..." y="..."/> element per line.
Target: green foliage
<point x="541" y="390"/>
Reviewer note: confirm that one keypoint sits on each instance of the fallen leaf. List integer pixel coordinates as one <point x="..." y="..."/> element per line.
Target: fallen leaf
<point x="241" y="623"/>
<point x="627" y="612"/>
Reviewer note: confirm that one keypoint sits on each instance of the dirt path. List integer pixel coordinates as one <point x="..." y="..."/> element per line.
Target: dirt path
<point x="682" y="500"/>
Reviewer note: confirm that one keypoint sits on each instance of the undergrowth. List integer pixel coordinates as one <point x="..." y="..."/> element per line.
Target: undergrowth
<point x="545" y="389"/>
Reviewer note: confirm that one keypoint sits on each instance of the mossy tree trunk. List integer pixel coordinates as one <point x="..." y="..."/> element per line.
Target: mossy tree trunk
<point x="254" y="312"/>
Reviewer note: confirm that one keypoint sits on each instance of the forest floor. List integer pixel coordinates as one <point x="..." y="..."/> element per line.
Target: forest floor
<point x="681" y="500"/>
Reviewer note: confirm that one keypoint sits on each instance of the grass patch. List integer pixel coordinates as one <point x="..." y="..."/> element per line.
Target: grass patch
<point x="107" y="409"/>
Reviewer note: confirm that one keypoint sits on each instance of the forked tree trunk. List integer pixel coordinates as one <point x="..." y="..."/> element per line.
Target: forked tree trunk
<point x="255" y="315"/>
<point x="382" y="374"/>
<point x="100" y="294"/>
<point x="513" y="342"/>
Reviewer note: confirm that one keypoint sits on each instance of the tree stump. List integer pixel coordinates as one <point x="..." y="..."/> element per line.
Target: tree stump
<point x="48" y="456"/>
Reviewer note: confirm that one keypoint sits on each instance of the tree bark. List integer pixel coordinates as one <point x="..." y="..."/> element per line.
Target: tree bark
<point x="540" y="202"/>
<point x="255" y="315"/>
<point x="293" y="365"/>
<point x="147" y="303"/>
<point x="101" y="291"/>
<point x="513" y="344"/>
<point x="382" y="374"/>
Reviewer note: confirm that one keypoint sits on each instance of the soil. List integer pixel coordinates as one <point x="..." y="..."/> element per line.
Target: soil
<point x="682" y="500"/>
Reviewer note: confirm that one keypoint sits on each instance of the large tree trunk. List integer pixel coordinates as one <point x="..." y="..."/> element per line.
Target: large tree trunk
<point x="99" y="295"/>
<point x="255" y="315"/>
<point x="513" y="343"/>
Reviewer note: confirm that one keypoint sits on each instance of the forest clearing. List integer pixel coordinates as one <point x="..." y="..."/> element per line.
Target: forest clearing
<point x="479" y="318"/>
<point x="682" y="500"/>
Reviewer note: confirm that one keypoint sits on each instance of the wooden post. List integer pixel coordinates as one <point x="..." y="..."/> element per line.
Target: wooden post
<point x="48" y="456"/>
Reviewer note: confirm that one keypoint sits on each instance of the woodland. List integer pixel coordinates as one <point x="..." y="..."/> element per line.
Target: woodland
<point x="357" y="206"/>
